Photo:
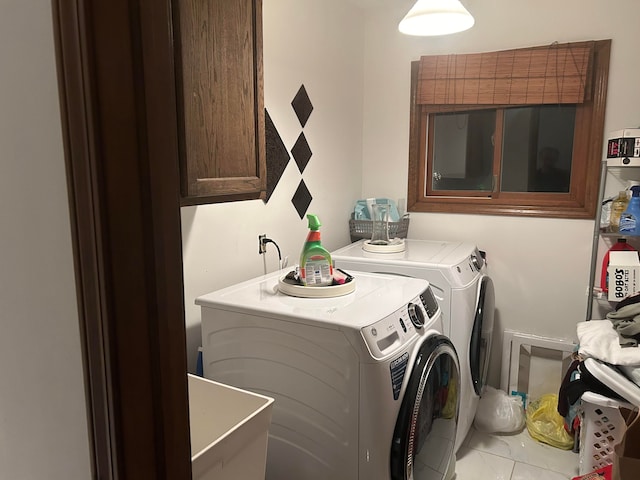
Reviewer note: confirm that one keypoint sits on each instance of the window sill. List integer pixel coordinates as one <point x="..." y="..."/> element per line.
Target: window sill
<point x="482" y="206"/>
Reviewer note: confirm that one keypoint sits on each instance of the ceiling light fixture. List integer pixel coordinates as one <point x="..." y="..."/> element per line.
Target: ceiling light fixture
<point x="436" y="17"/>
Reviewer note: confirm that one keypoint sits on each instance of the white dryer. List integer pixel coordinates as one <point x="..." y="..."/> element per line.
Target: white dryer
<point x="366" y="386"/>
<point x="458" y="276"/>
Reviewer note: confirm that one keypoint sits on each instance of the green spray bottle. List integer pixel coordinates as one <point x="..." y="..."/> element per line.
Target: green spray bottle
<point x="316" y="268"/>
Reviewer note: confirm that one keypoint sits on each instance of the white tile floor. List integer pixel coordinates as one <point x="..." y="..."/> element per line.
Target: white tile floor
<point x="512" y="457"/>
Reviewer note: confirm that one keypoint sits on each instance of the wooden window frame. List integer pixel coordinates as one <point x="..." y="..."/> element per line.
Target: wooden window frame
<point x="580" y="202"/>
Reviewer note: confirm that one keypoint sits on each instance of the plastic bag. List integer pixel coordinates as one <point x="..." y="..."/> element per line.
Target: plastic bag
<point x="546" y="425"/>
<point x="498" y="412"/>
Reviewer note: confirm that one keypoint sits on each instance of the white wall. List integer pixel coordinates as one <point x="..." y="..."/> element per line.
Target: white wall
<point x="320" y="45"/>
<point x="43" y="427"/>
<point x="540" y="266"/>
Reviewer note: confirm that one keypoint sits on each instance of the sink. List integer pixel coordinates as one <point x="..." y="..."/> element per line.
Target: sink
<point x="229" y="431"/>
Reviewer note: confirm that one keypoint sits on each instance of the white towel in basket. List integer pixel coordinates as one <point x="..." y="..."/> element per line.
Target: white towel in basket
<point x="598" y="339"/>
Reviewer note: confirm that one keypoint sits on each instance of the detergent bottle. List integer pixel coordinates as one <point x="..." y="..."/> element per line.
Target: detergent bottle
<point x="618" y="206"/>
<point x="316" y="267"/>
<point x="630" y="218"/>
<point x="621" y="244"/>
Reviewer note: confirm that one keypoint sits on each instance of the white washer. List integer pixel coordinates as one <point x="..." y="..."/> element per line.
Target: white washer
<point x="365" y="384"/>
<point x="457" y="274"/>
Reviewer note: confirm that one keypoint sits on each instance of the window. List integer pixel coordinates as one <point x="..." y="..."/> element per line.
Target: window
<point x="515" y="132"/>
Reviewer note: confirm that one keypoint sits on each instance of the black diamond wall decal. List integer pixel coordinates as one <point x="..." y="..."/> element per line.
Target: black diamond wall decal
<point x="277" y="155"/>
<point x="302" y="105"/>
<point x="301" y="152"/>
<point x="302" y="199"/>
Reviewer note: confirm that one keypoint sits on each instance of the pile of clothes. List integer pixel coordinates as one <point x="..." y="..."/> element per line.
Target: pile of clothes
<point x="615" y="340"/>
<point x="612" y="342"/>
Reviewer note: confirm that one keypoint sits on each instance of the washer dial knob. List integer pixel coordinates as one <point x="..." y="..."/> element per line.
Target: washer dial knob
<point x="415" y="315"/>
<point x="477" y="262"/>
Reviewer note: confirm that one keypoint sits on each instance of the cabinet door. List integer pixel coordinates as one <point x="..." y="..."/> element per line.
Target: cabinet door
<point x="220" y="98"/>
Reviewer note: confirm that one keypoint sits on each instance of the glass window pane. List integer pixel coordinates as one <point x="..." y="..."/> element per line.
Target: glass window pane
<point x="463" y="150"/>
<point x="537" y="148"/>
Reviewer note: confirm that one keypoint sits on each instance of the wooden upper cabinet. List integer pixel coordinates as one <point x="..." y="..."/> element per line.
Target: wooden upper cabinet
<point x="218" y="46"/>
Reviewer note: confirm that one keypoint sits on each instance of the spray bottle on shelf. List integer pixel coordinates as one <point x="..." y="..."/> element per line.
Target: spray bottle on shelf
<point x="630" y="218"/>
<point x="316" y="267"/>
<point x="621" y="244"/>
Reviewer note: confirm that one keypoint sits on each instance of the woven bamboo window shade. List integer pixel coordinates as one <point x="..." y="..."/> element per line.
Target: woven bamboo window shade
<point x="558" y="73"/>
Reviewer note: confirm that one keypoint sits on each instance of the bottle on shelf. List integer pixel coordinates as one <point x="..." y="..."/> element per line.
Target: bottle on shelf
<point x="621" y="244"/>
<point x="618" y="206"/>
<point x="630" y="218"/>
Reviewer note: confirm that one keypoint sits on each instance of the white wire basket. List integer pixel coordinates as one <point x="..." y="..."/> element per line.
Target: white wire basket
<point x="359" y="229"/>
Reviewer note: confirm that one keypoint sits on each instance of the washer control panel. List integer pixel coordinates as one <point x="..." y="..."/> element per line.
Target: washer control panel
<point x="467" y="270"/>
<point x="392" y="332"/>
<point x="429" y="302"/>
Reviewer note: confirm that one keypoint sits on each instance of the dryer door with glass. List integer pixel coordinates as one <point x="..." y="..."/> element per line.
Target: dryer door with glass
<point x="425" y="431"/>
<point x="480" y="345"/>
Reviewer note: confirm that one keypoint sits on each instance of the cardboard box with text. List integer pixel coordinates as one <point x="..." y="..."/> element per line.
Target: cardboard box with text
<point x="624" y="275"/>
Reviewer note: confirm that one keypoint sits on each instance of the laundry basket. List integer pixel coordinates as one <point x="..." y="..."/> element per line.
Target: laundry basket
<point x="359" y="229"/>
<point x="602" y="427"/>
